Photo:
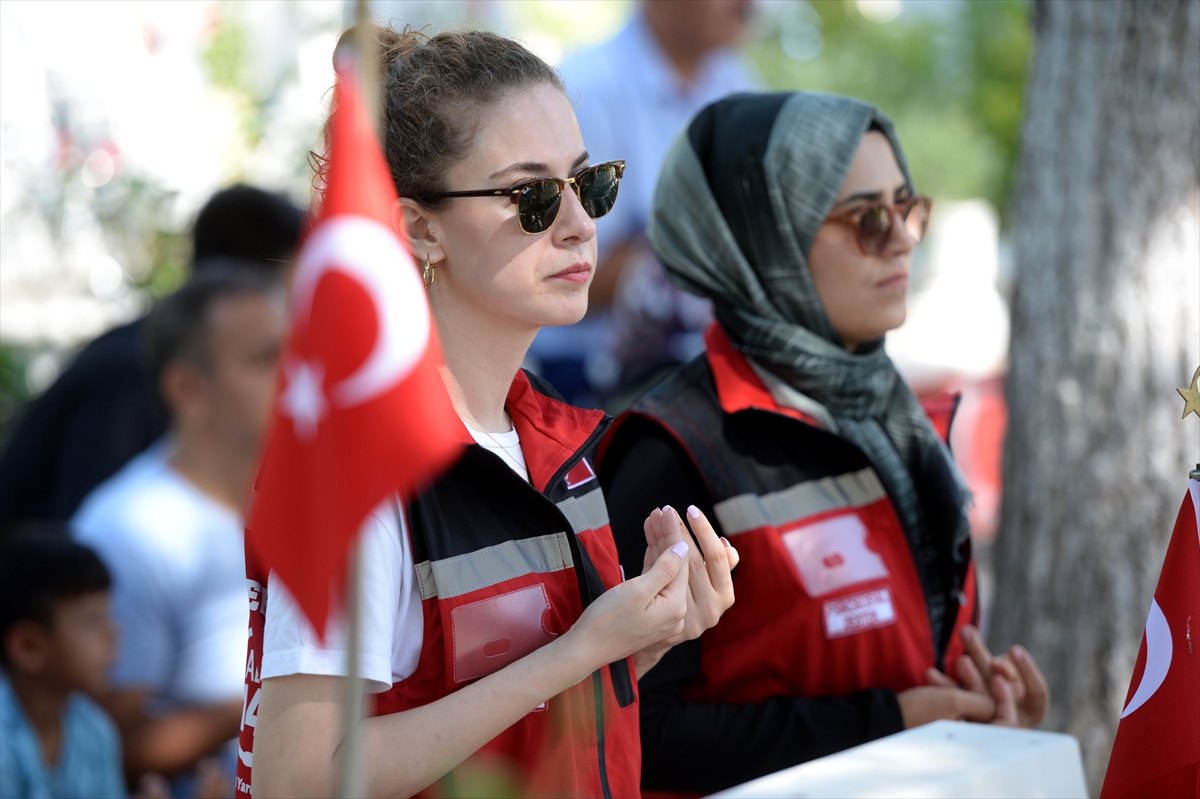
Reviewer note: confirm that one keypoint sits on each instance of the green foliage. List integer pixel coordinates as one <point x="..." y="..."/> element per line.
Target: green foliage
<point x="951" y="75"/>
<point x="227" y="52"/>
<point x="227" y="58"/>
<point x="13" y="390"/>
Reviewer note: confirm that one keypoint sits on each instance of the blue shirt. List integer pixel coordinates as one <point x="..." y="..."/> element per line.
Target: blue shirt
<point x="631" y="103"/>
<point x="89" y="755"/>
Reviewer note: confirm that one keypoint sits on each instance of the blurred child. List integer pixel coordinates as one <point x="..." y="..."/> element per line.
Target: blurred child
<point x="57" y="642"/>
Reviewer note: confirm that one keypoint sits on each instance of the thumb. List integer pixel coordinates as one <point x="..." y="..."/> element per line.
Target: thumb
<point x="668" y="566"/>
<point x="935" y="677"/>
<point x="974" y="707"/>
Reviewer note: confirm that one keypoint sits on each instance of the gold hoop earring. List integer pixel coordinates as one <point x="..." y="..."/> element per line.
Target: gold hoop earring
<point x="428" y="273"/>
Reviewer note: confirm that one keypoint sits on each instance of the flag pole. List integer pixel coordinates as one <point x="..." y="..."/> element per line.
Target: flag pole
<point x="352" y="780"/>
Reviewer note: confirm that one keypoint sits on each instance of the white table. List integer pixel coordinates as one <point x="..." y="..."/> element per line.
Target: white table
<point x="943" y="759"/>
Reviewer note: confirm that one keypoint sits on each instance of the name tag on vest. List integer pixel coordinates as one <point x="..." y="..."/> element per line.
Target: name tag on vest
<point x="858" y="612"/>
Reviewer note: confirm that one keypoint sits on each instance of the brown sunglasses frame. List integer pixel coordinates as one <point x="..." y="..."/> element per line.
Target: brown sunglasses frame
<point x="514" y="191"/>
<point x="855" y="215"/>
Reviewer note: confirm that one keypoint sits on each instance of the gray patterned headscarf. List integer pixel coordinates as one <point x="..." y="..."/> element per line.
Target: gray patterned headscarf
<point x="740" y="198"/>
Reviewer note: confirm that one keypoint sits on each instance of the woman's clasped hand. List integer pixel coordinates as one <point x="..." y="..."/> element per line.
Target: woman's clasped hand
<point x="1007" y="690"/>
<point x="710" y="583"/>
<point x="1013" y="681"/>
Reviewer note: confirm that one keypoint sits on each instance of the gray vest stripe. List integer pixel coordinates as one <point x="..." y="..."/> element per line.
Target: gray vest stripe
<point x="425" y="580"/>
<point x="462" y="574"/>
<point x="750" y="511"/>
<point x="588" y="512"/>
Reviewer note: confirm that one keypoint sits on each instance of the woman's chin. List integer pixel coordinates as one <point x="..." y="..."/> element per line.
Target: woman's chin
<point x="566" y="313"/>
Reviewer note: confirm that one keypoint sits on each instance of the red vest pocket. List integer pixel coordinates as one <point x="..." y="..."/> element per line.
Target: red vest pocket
<point x="490" y="633"/>
<point x="832" y="554"/>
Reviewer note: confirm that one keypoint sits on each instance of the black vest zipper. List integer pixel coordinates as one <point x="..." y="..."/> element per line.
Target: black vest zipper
<point x="587" y="592"/>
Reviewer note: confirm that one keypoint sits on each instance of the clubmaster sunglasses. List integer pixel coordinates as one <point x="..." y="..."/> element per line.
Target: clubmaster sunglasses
<point x="873" y="221"/>
<point x="538" y="200"/>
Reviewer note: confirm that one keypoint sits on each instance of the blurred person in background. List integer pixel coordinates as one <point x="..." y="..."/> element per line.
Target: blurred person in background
<point x="169" y="524"/>
<point x="633" y="94"/>
<point x="103" y="409"/>
<point x="796" y="214"/>
<point x="57" y="643"/>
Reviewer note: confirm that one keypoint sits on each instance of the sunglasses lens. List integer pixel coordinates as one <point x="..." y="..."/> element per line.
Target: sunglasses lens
<point x="917" y="219"/>
<point x="537" y="206"/>
<point x="874" y="228"/>
<point x="598" y="189"/>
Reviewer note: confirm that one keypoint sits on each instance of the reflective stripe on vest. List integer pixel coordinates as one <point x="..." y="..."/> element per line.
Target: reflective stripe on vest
<point x="545" y="554"/>
<point x="492" y="565"/>
<point x="588" y="512"/>
<point x="779" y="509"/>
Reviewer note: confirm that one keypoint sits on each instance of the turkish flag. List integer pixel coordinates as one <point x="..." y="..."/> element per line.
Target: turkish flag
<point x="362" y="412"/>
<point x="1157" y="750"/>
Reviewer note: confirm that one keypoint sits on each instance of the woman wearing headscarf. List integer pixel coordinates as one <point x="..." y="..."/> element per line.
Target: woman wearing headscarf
<point x="796" y="214"/>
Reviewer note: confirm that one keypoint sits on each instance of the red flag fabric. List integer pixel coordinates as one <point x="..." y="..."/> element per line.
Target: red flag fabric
<point x="1157" y="749"/>
<point x="362" y="411"/>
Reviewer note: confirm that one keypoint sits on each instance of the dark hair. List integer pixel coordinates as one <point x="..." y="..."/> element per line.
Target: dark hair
<point x="38" y="571"/>
<point x="248" y="223"/>
<point x="432" y="88"/>
<point x="177" y="327"/>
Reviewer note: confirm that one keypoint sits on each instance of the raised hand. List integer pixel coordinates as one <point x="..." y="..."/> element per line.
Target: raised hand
<point x="710" y="586"/>
<point x="641" y="612"/>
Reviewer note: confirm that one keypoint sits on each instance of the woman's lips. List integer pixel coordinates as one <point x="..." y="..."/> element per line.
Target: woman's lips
<point x="896" y="281"/>
<point x="575" y="273"/>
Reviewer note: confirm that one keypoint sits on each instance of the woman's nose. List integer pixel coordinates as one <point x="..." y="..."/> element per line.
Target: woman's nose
<point x="573" y="221"/>
<point x="900" y="240"/>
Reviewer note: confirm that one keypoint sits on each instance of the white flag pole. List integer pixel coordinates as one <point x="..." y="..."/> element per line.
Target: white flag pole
<point x="352" y="780"/>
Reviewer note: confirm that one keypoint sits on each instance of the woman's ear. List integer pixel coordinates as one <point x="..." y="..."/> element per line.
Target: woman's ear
<point x="426" y="239"/>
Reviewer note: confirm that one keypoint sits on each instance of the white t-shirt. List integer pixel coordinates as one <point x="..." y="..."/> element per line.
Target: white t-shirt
<point x="390" y="620"/>
<point x="506" y="446"/>
<point x="179" y="581"/>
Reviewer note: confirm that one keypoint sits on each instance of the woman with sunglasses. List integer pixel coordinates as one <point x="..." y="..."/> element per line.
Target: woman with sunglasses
<point x="501" y="640"/>
<point x="796" y="214"/>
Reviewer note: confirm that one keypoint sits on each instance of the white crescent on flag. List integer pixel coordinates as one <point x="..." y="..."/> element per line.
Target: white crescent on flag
<point x="372" y="255"/>
<point x="1158" y="658"/>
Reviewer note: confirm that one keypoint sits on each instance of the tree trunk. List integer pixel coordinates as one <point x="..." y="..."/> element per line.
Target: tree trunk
<point x="1104" y="328"/>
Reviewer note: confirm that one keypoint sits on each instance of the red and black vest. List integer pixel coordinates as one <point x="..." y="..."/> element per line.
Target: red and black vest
<point x="504" y="567"/>
<point x="829" y="600"/>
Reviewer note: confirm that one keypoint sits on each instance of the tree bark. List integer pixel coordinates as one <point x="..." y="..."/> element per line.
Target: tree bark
<point x="1104" y="327"/>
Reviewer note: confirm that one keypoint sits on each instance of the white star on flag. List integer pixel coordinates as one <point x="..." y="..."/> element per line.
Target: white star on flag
<point x="304" y="400"/>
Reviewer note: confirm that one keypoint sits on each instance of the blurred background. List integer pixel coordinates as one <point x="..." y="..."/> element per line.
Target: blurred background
<point x="121" y="119"/>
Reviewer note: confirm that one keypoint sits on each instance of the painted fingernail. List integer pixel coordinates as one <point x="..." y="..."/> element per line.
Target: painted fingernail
<point x="693" y="512"/>
<point x="680" y="549"/>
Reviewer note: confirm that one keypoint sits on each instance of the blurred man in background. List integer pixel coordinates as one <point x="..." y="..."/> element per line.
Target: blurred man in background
<point x="169" y="524"/>
<point x="632" y="94"/>
<point x="103" y="410"/>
